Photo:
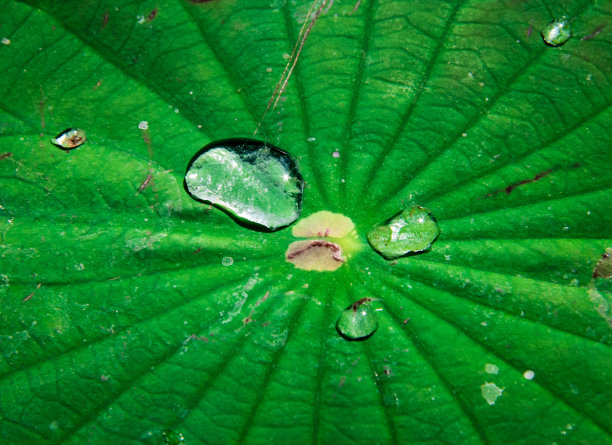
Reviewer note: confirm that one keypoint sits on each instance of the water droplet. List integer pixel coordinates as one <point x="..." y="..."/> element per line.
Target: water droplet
<point x="254" y="182"/>
<point x="358" y="321"/>
<point x="529" y="374"/>
<point x="411" y="231"/>
<point x="490" y="392"/>
<point x="69" y="139"/>
<point x="143" y="125"/>
<point x="173" y="438"/>
<point x="491" y="368"/>
<point x="227" y="261"/>
<point x="557" y="32"/>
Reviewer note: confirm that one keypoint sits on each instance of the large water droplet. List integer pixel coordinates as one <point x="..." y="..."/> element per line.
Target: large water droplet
<point x="358" y="321"/>
<point x="254" y="182"/>
<point x="557" y="32"/>
<point x="411" y="231"/>
<point x="69" y="139"/>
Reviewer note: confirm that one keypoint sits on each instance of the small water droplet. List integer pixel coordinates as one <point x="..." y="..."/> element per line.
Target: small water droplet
<point x="256" y="183"/>
<point x="143" y="125"/>
<point x="529" y="374"/>
<point x="491" y="368"/>
<point x="557" y="32"/>
<point x="409" y="232"/>
<point x="5" y="41"/>
<point x="69" y="139"/>
<point x="227" y="261"/>
<point x="358" y="321"/>
<point x="336" y="154"/>
<point x="490" y="392"/>
<point x="173" y="438"/>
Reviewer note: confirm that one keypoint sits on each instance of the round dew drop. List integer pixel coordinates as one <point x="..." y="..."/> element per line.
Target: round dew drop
<point x="227" y="261"/>
<point x="256" y="183"/>
<point x="557" y="32"/>
<point x="411" y="231"/>
<point x="358" y="321"/>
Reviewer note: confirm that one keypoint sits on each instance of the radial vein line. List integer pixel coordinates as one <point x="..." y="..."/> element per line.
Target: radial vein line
<point x="218" y="371"/>
<point x="297" y="78"/>
<point x="81" y="346"/>
<point x="517" y="365"/>
<point x="316" y="408"/>
<point x="526" y="206"/>
<point x="367" y="350"/>
<point x="232" y="80"/>
<point x="562" y="134"/>
<point x="352" y="111"/>
<point x="504" y="311"/>
<point x="445" y="382"/>
<point x="272" y="368"/>
<point x="476" y="117"/>
<point x="169" y="354"/>
<point x="389" y="145"/>
<point x="143" y="80"/>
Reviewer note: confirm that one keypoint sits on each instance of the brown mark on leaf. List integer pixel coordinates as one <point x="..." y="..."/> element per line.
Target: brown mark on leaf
<point x="145" y="184"/>
<point x="603" y="269"/>
<point x="5" y="155"/>
<point x="97" y="85"/>
<point x="529" y="31"/>
<point x="355" y="8"/>
<point x="509" y="189"/>
<point x="195" y="337"/>
<point x="104" y="20"/>
<point x="318" y="254"/>
<point x="41" y="108"/>
<point x="152" y="15"/>
<point x="249" y="318"/>
<point x="359" y="302"/>
<point x="32" y="294"/>
<point x="594" y="33"/>
<point x="309" y="22"/>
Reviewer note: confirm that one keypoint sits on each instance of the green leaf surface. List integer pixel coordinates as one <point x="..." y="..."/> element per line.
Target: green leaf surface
<point x="119" y="316"/>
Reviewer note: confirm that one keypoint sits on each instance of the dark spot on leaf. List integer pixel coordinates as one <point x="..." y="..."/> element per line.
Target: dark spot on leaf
<point x="152" y="15"/>
<point x="594" y="33"/>
<point x="603" y="269"/>
<point x="358" y="303"/>
<point x="5" y="155"/>
<point x="104" y="20"/>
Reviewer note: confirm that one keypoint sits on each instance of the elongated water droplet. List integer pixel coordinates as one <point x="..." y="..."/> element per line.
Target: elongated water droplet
<point x="173" y="438"/>
<point x="411" y="231"/>
<point x="557" y="32"/>
<point x="358" y="321"/>
<point x="69" y="139"/>
<point x="254" y="182"/>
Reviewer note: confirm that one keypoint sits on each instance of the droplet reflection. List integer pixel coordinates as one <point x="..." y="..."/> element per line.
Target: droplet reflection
<point x="557" y="32"/>
<point x="69" y="139"/>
